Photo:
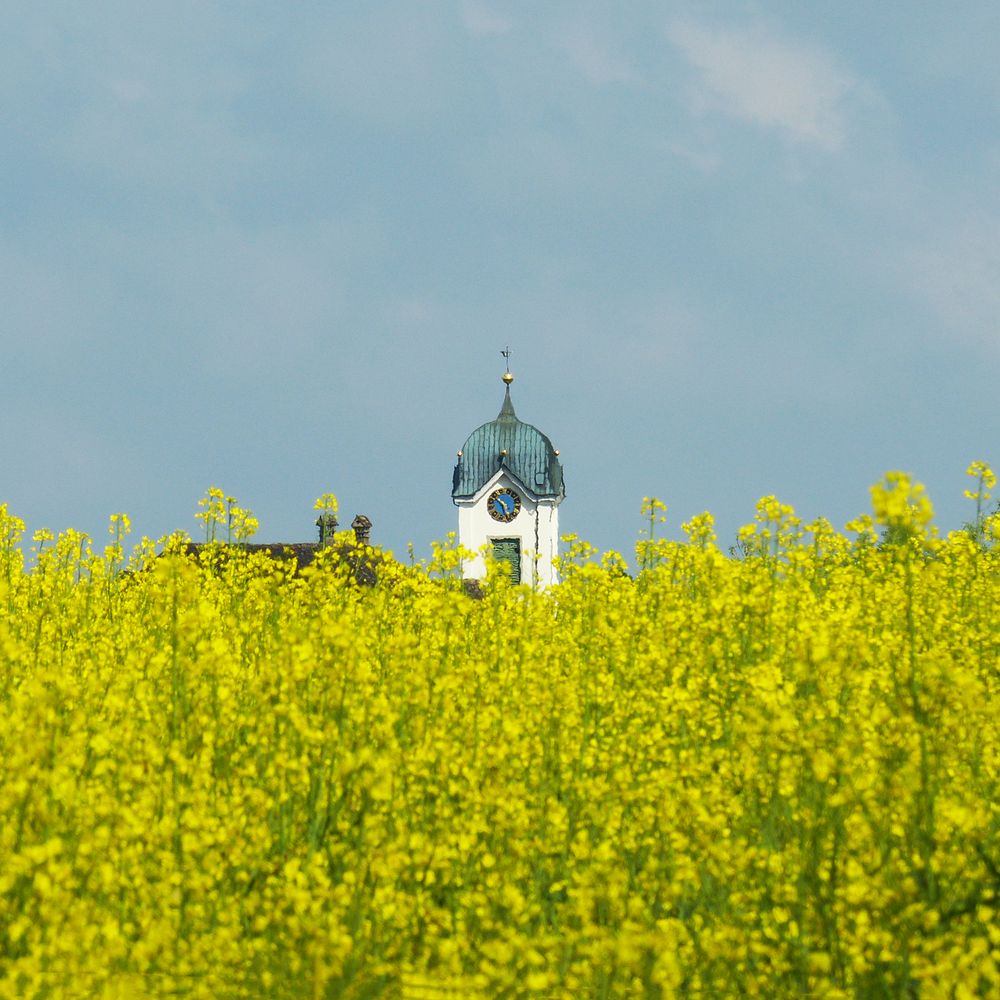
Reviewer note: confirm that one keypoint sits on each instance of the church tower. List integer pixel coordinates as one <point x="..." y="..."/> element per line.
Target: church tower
<point x="508" y="485"/>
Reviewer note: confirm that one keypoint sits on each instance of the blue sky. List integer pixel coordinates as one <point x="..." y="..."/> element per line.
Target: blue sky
<point x="736" y="249"/>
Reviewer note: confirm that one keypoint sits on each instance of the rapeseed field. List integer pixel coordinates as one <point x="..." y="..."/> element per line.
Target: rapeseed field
<point x="767" y="772"/>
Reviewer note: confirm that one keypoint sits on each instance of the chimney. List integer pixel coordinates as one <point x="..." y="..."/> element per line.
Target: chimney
<point x="362" y="529"/>
<point x="327" y="524"/>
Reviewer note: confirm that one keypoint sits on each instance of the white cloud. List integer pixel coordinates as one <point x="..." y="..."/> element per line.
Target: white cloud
<point x="394" y="65"/>
<point x="699" y="154"/>
<point x="768" y="81"/>
<point x="482" y="21"/>
<point x="959" y="273"/>
<point x="595" y="60"/>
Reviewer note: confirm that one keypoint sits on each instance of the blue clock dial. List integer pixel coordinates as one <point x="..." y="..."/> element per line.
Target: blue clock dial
<point x="503" y="504"/>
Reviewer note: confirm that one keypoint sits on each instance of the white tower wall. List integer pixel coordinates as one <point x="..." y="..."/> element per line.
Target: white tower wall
<point x="536" y="528"/>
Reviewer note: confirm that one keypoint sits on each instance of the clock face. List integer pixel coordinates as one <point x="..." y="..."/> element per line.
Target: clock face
<point x="503" y="504"/>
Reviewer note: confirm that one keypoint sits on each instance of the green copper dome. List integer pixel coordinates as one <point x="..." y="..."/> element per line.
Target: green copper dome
<point x="508" y="443"/>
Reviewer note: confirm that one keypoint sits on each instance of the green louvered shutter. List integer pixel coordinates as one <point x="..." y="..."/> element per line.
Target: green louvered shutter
<point x="509" y="550"/>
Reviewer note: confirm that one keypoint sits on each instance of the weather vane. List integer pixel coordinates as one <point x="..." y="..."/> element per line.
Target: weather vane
<point x="507" y="377"/>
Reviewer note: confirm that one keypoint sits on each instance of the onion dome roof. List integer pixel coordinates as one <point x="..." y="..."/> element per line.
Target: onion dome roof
<point x="508" y="443"/>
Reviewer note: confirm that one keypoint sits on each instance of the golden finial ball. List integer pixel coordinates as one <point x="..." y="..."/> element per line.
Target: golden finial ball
<point x="507" y="377"/>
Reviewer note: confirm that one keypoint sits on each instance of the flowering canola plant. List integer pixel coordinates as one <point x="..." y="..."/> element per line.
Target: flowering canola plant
<point x="772" y="772"/>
